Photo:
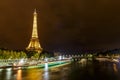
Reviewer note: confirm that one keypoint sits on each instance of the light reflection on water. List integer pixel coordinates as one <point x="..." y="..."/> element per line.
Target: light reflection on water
<point x="74" y="71"/>
<point x="46" y="72"/>
<point x="32" y="74"/>
<point x="8" y="73"/>
<point x="19" y="75"/>
<point x="115" y="68"/>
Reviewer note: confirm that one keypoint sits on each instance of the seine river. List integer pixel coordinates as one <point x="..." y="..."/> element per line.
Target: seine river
<point x="73" y="71"/>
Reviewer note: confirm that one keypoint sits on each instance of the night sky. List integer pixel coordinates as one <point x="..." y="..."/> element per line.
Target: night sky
<point x="92" y="24"/>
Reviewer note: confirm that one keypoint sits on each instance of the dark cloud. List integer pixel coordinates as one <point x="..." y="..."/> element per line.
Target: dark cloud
<point x="67" y="23"/>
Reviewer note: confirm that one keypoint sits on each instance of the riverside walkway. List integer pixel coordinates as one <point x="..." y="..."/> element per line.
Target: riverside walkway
<point x="39" y="65"/>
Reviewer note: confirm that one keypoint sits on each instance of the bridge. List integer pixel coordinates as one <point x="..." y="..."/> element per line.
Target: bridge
<point x="78" y="57"/>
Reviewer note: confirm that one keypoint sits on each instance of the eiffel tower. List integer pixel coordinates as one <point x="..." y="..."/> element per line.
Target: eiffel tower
<point x="34" y="44"/>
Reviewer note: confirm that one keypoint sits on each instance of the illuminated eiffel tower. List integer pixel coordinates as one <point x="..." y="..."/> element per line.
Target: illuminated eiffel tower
<point x="34" y="44"/>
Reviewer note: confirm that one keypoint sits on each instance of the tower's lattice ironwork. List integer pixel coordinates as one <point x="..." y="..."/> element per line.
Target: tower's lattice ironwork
<point x="34" y="44"/>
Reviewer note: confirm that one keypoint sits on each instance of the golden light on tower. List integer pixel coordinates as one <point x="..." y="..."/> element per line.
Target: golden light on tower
<point x="34" y="44"/>
<point x="34" y="32"/>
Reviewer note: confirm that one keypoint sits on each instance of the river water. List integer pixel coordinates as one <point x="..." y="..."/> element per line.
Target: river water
<point x="73" y="71"/>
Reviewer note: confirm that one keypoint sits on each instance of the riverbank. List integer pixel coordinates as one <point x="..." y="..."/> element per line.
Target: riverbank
<point x="43" y="65"/>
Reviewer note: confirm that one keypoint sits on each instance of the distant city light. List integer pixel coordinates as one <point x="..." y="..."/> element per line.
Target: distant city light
<point x="60" y="57"/>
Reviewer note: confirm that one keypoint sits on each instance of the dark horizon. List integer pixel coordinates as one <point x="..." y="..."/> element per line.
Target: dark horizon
<point x="61" y="24"/>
